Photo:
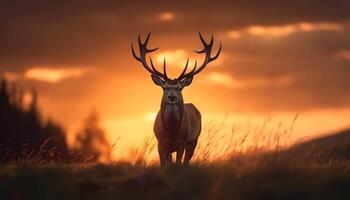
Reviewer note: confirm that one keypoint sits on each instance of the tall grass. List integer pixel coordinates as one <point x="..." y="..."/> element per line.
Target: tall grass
<point x="244" y="163"/>
<point x="45" y="154"/>
<point x="217" y="144"/>
<point x="247" y="147"/>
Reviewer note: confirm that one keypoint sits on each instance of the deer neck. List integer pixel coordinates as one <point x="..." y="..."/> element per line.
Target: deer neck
<point x="171" y="115"/>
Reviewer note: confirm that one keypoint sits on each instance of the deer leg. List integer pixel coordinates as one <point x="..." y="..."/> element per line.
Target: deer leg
<point x="164" y="154"/>
<point x="179" y="154"/>
<point x="190" y="147"/>
<point x="169" y="159"/>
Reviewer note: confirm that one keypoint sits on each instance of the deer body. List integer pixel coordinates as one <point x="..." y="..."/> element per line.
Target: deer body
<point x="177" y="130"/>
<point x="177" y="125"/>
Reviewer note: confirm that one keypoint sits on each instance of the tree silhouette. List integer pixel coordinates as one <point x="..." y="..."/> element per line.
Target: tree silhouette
<point x="23" y="131"/>
<point x="91" y="140"/>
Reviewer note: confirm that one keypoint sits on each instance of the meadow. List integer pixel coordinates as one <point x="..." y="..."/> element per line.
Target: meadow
<point x="242" y="177"/>
<point x="237" y="169"/>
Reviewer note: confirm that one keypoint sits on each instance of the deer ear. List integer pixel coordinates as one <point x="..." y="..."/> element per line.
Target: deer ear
<point x="186" y="81"/>
<point x="157" y="80"/>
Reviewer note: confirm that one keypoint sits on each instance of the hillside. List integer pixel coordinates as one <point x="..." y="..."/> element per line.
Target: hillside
<point x="332" y="146"/>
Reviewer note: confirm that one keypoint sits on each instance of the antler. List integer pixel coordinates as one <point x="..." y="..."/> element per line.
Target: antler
<point x="142" y="58"/>
<point x="207" y="50"/>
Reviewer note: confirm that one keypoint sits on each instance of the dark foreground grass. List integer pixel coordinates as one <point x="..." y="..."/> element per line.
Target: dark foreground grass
<point x="225" y="180"/>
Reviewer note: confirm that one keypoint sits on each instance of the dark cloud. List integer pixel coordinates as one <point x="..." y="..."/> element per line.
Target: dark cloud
<point x="318" y="78"/>
<point x="82" y="32"/>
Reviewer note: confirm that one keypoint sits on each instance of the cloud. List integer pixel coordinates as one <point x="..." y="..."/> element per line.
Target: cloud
<point x="343" y="55"/>
<point x="271" y="30"/>
<point x="324" y="26"/>
<point x="303" y="70"/>
<point x="285" y="30"/>
<point x="226" y="80"/>
<point x="10" y="76"/>
<point x="82" y="33"/>
<point x="234" y="34"/>
<point x="167" y="16"/>
<point x="52" y="75"/>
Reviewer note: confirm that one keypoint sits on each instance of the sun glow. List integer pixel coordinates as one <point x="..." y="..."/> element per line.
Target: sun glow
<point x="220" y="128"/>
<point x="150" y="117"/>
<point x="174" y="58"/>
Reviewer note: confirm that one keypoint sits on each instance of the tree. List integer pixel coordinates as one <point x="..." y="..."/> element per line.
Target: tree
<point x="91" y="140"/>
<point x="23" y="131"/>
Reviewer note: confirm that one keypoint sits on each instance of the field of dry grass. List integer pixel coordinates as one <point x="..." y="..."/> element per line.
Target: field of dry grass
<point x="241" y="177"/>
<point x="233" y="166"/>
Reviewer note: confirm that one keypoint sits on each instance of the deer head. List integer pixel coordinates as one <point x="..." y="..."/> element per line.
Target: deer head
<point x="172" y="87"/>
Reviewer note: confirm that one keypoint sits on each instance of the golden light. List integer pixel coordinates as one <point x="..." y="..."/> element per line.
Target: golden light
<point x="307" y="26"/>
<point x="131" y="130"/>
<point x="172" y="57"/>
<point x="234" y="34"/>
<point x="150" y="117"/>
<point x="174" y="60"/>
<point x="224" y="80"/>
<point x="52" y="75"/>
<point x="167" y="16"/>
<point x="272" y="30"/>
<point x="27" y="99"/>
<point x="279" y="81"/>
<point x="284" y="30"/>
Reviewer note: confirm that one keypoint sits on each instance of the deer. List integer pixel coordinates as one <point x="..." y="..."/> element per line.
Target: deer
<point x="177" y="124"/>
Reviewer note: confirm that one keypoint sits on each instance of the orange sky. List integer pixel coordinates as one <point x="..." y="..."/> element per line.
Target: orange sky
<point x="278" y="60"/>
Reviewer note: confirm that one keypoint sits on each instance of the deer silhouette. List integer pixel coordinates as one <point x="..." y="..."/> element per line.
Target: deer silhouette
<point x="177" y="125"/>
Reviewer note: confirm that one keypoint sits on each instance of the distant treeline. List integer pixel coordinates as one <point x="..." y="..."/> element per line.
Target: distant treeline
<point x="25" y="135"/>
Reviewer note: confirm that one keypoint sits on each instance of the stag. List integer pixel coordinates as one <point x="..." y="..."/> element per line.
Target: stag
<point x="177" y="125"/>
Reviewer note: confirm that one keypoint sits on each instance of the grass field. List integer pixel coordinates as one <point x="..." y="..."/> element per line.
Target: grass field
<point x="269" y="176"/>
<point x="228" y="169"/>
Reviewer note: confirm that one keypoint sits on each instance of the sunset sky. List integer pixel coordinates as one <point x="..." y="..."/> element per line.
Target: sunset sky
<point x="279" y="59"/>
